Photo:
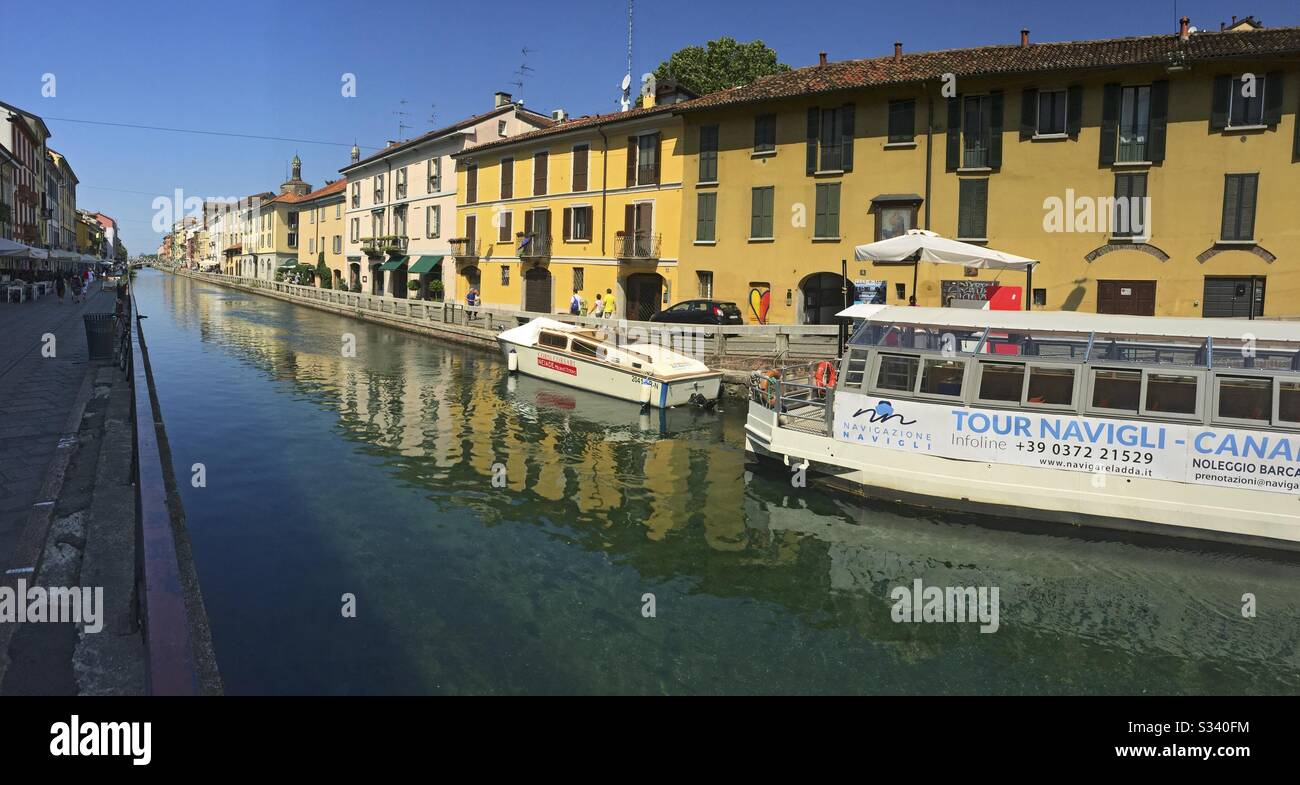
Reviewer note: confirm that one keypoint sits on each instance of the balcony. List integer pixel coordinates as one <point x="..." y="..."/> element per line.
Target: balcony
<point x="533" y="246"/>
<point x="637" y="247"/>
<point x="380" y="245"/>
<point x="464" y="248"/>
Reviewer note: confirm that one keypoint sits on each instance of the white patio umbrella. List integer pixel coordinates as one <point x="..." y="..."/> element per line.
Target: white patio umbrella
<point x="925" y="246"/>
<point x="13" y="250"/>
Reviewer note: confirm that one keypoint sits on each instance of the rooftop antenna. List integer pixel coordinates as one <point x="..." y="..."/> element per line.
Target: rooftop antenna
<point x="402" y="114"/>
<point x="626" y="101"/>
<point x="522" y="72"/>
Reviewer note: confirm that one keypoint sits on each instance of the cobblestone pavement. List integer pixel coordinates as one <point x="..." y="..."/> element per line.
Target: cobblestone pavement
<point x="37" y="394"/>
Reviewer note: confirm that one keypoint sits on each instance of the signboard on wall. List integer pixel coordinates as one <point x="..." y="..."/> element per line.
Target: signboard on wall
<point x="869" y="292"/>
<point x="1195" y="454"/>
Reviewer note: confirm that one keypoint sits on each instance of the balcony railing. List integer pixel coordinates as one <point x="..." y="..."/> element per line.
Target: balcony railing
<point x="464" y="248"/>
<point x="389" y="243"/>
<point x="637" y="246"/>
<point x="533" y="246"/>
<point x="1132" y="148"/>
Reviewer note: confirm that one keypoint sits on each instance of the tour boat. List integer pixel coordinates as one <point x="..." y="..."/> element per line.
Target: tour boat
<point x="1180" y="426"/>
<point x="590" y="359"/>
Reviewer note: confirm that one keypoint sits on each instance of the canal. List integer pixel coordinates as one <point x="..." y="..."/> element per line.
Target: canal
<point x="501" y="536"/>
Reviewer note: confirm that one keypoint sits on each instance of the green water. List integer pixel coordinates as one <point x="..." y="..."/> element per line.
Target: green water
<point x="374" y="476"/>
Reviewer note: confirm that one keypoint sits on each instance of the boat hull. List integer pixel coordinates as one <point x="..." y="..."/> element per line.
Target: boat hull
<point x="1053" y="497"/>
<point x="615" y="382"/>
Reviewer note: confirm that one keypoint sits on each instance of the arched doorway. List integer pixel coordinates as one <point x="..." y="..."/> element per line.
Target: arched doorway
<point x="821" y="296"/>
<point x="337" y="282"/>
<point x="354" y="276"/>
<point x="537" y="290"/>
<point x="645" y="293"/>
<point x="376" y="278"/>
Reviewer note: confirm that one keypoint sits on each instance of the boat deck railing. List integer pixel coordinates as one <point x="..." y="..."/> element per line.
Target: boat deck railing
<point x="794" y="393"/>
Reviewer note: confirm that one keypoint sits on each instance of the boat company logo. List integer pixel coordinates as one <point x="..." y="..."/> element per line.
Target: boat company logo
<point x="130" y="739"/>
<point x="919" y="604"/>
<point x="883" y="412"/>
<point x="59" y="604"/>
<point x="878" y="424"/>
<point x="557" y="364"/>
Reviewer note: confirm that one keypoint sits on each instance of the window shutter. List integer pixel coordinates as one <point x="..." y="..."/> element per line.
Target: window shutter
<point x="471" y="185"/>
<point x="631" y="161"/>
<point x="1028" y="113"/>
<point x="629" y="220"/>
<point x="833" y="211"/>
<point x="814" y="123"/>
<point x="471" y="230"/>
<point x="982" y="208"/>
<point x="528" y="222"/>
<point x="580" y="168"/>
<point x="1109" y="124"/>
<point x="507" y="178"/>
<point x="1219" y="105"/>
<point x="568" y="224"/>
<point x="658" y="146"/>
<point x="1159" y="121"/>
<point x="507" y="221"/>
<point x="1231" y="203"/>
<point x="995" y="129"/>
<point x="1249" y="182"/>
<point x="1074" y="110"/>
<point x="819" y="220"/>
<point x="846" y="138"/>
<point x="954" y="134"/>
<point x="1273" y="98"/>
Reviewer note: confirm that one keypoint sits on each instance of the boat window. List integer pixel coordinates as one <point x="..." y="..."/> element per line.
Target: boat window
<point x="586" y="349"/>
<point x="856" y="369"/>
<point x="1050" y="386"/>
<point x="942" y="377"/>
<point x="897" y="372"/>
<point x="1115" y="389"/>
<point x="1243" y="398"/>
<point x="1148" y="349"/>
<point x="1257" y="355"/>
<point x="931" y="338"/>
<point x="1001" y="382"/>
<point x="553" y="340"/>
<point x="1288" y="401"/>
<point x="1171" y="393"/>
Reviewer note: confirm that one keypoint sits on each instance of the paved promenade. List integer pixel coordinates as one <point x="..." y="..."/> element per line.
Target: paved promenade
<point x="37" y="394"/>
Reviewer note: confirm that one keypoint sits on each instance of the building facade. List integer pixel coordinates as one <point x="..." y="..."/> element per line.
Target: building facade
<point x="320" y="225"/>
<point x="25" y="135"/>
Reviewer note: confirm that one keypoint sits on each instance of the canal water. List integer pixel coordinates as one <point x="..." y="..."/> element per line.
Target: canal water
<point x="503" y="535"/>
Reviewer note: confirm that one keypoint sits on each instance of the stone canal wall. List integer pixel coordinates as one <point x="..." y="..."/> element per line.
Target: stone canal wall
<point x="735" y="350"/>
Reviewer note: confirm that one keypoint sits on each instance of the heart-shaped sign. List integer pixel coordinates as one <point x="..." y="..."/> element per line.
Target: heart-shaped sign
<point x="760" y="300"/>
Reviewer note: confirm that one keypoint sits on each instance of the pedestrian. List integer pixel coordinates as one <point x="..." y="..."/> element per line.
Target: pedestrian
<point x="76" y="289"/>
<point x="471" y="297"/>
<point x="598" y="310"/>
<point x="59" y="287"/>
<point x="575" y="304"/>
<point x="609" y="304"/>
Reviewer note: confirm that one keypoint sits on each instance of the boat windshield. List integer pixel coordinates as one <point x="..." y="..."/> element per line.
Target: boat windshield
<point x="922" y="337"/>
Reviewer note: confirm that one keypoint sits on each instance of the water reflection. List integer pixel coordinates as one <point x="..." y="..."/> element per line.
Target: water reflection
<point x="374" y="474"/>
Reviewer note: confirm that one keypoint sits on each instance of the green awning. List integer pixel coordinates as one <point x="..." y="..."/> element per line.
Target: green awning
<point x="393" y="264"/>
<point x="289" y="265"/>
<point x="425" y="264"/>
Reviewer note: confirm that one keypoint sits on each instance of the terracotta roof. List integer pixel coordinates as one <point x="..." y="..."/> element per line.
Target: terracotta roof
<point x="586" y="121"/>
<point x="533" y="117"/>
<point x="1006" y="60"/>
<point x="333" y="188"/>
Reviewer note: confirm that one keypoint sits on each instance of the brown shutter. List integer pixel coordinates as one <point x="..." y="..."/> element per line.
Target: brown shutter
<point x="507" y="178"/>
<point x="629" y="219"/>
<point x="546" y="230"/>
<point x="580" y="168"/>
<point x="953" y="161"/>
<point x="540" y="163"/>
<point x="471" y="184"/>
<point x="631" y="161"/>
<point x="471" y="228"/>
<point x="507" y="221"/>
<point x="568" y="223"/>
<point x="528" y="222"/>
<point x="814" y="126"/>
<point x="1028" y="113"/>
<point x="658" y="158"/>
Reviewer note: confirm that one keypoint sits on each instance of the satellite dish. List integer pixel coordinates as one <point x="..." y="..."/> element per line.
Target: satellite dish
<point x="627" y="82"/>
<point x="647" y="84"/>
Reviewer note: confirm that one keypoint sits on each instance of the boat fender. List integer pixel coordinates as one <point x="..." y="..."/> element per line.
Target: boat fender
<point x="512" y="361"/>
<point x="645" y="392"/>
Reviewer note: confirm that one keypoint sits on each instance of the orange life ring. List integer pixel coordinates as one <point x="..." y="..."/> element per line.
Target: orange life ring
<point x="766" y="389"/>
<point x="825" y="375"/>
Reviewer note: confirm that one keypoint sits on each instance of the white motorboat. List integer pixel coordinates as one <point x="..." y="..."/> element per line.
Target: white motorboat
<point x="1188" y="427"/>
<point x="591" y="359"/>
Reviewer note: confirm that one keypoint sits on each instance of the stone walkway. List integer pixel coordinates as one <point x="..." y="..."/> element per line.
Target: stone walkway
<point x="37" y="393"/>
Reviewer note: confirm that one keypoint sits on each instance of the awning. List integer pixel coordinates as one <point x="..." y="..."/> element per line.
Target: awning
<point x="425" y="264"/>
<point x="288" y="264"/>
<point x="393" y="264"/>
<point x="930" y="247"/>
<point x="13" y="249"/>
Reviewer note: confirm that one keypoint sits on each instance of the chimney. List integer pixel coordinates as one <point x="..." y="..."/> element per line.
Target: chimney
<point x="559" y="115"/>
<point x="821" y="58"/>
<point x="1182" y="28"/>
<point x="500" y="99"/>
<point x="1024" y="37"/>
<point x="898" y="51"/>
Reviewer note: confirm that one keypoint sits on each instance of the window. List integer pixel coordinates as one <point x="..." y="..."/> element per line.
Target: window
<point x="1050" y="386"/>
<point x="505" y="223"/>
<point x="1051" y="112"/>
<point x="706" y="215"/>
<point x="433" y="171"/>
<point x="338" y="210"/>
<point x="471" y="184"/>
<point x="1130" y="216"/>
<point x="1246" y="109"/>
<point x="577" y="223"/>
<point x="897" y="372"/>
<point x="432" y="221"/>
<point x="1001" y="382"/>
<point x="356" y="229"/>
<point x="356" y="194"/>
<point x="1288" y="401"/>
<point x="942" y="377"/>
<point x="338" y="244"/>
<point x="1134" y="123"/>
<point x="581" y="154"/>
<point x="1116" y="390"/>
<point x="379" y="188"/>
<point x="972" y="209"/>
<point x="1171" y="393"/>
<point x="550" y="340"/>
<point x="505" y="275"/>
<point x="827" y="223"/>
<point x="311" y="245"/>
<point x="705" y="281"/>
<point x="376" y="223"/>
<point x="1239" y="206"/>
<point x="976" y="131"/>
<point x="579" y="278"/>
<point x="399" y="220"/>
<point x="1248" y="398"/>
<point x="312" y="219"/>
<point x="902" y="121"/>
<point x="471" y="233"/>
<point x="760" y="224"/>
<point x="1040" y="298"/>
<point x="507" y="178"/>
<point x="501" y="128"/>
<point x="400" y="182"/>
<point x="765" y="133"/>
<point x="708" y="153"/>
<point x="585" y="349"/>
<point x="643" y="159"/>
<point x="830" y="139"/>
<point x="540" y="162"/>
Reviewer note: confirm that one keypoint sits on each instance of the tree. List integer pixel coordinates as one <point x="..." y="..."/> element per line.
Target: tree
<point x="720" y="64"/>
<point x="323" y="272"/>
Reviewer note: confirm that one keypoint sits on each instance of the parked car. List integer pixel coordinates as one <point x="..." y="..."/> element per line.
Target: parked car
<point x="700" y="312"/>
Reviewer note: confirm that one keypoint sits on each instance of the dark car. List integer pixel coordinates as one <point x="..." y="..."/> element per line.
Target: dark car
<point x="700" y="312"/>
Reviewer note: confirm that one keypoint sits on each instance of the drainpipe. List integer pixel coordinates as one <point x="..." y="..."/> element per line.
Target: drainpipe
<point x="604" y="184"/>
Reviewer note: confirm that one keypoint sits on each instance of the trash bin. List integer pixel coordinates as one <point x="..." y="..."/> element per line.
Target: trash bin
<point x="99" y="335"/>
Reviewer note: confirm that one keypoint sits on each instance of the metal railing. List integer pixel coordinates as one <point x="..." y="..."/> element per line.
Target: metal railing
<point x="533" y="245"/>
<point x="464" y="248"/>
<point x="796" y="394"/>
<point x="637" y="246"/>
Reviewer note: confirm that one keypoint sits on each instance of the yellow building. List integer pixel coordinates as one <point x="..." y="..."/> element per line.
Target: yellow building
<point x="320" y="230"/>
<point x="592" y="204"/>
<point x="1041" y="150"/>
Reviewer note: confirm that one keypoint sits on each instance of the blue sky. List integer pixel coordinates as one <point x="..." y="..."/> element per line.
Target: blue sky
<point x="273" y="68"/>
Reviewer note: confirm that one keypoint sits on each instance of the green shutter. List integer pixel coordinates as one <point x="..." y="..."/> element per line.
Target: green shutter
<point x="827" y="223"/>
<point x="1028" y="113"/>
<point x="819" y="224"/>
<point x="814" y="126"/>
<point x="1219" y="102"/>
<point x="1231" y="203"/>
<point x="1246" y="225"/>
<point x="1159" y="121"/>
<point x="1073" y="110"/>
<point x="846" y="138"/>
<point x="706" y="217"/>
<point x="995" y="129"/>
<point x="972" y="210"/>
<point x="954" y="134"/>
<point x="1273" y="98"/>
<point x="756" y="213"/>
<point x="1111" y="95"/>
